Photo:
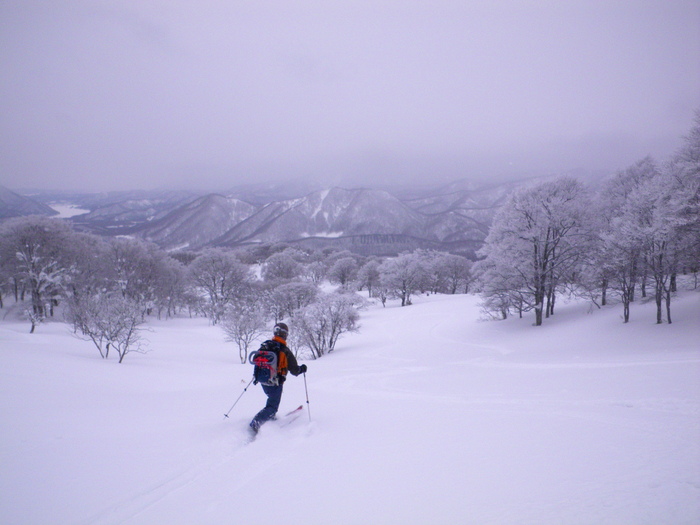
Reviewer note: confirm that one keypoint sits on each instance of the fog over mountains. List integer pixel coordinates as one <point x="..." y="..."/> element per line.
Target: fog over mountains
<point x="454" y="218"/>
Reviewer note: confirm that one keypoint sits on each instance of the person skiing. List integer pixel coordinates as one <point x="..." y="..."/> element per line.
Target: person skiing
<point x="286" y="363"/>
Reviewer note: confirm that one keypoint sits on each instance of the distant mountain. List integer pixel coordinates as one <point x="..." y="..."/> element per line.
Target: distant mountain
<point x="123" y="212"/>
<point x="454" y="217"/>
<point x="196" y="224"/>
<point x="366" y="221"/>
<point x="328" y="213"/>
<point x="15" y="205"/>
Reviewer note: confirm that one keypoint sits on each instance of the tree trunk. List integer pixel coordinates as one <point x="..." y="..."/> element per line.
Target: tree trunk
<point x="659" y="299"/>
<point x="539" y="306"/>
<point x="604" y="289"/>
<point x="627" y="294"/>
<point x="554" y="301"/>
<point x="538" y="314"/>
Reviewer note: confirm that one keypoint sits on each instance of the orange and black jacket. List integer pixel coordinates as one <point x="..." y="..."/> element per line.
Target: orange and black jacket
<point x="286" y="360"/>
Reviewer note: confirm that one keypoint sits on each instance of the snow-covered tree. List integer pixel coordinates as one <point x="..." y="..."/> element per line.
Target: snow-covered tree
<point x="457" y="270"/>
<point x="281" y="267"/>
<point x="315" y="271"/>
<point x="109" y="320"/>
<point x="403" y="276"/>
<point x="171" y="287"/>
<point x="653" y="219"/>
<point x="244" y="322"/>
<point x="137" y="269"/>
<point x="286" y="298"/>
<point x="319" y="325"/>
<point x="368" y="276"/>
<point x="618" y="260"/>
<point x="537" y="240"/>
<point x="32" y="251"/>
<point x="684" y="174"/>
<point x="502" y="288"/>
<point x="88" y="272"/>
<point x="343" y="271"/>
<point x="219" y="279"/>
<point x="444" y="272"/>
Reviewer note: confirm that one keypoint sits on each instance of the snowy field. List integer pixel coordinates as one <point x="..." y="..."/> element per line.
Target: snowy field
<point x="426" y="416"/>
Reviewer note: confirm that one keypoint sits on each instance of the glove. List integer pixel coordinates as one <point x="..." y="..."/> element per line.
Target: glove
<point x="302" y="369"/>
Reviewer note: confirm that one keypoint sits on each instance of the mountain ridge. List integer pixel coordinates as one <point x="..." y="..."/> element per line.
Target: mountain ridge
<point x="453" y="217"/>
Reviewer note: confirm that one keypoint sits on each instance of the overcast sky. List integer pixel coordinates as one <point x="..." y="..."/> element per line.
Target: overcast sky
<point x="103" y="95"/>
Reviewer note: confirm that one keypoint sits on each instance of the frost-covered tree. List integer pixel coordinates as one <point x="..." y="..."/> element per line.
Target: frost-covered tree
<point x="368" y="276"/>
<point x="218" y="279"/>
<point x="319" y="325"/>
<point x="32" y="251"/>
<point x="537" y="240"/>
<point x="109" y="320"/>
<point x="403" y="276"/>
<point x="684" y="176"/>
<point x="286" y="298"/>
<point x="343" y="271"/>
<point x="653" y="219"/>
<point x="444" y="272"/>
<point x="171" y="288"/>
<point x="281" y="267"/>
<point x="502" y="289"/>
<point x="88" y="271"/>
<point x="137" y="269"/>
<point x="457" y="271"/>
<point x="243" y="323"/>
<point x="315" y="271"/>
<point x="618" y="262"/>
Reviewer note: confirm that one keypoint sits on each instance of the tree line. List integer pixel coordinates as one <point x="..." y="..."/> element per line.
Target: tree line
<point x="107" y="287"/>
<point x="631" y="237"/>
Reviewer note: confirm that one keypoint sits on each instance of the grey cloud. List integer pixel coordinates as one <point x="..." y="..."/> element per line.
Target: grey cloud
<point x="149" y="93"/>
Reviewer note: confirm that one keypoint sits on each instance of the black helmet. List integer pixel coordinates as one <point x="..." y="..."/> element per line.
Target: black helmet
<point x="281" y="330"/>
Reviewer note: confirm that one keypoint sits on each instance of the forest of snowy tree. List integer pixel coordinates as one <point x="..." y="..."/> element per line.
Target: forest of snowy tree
<point x="638" y="231"/>
<point x="628" y="238"/>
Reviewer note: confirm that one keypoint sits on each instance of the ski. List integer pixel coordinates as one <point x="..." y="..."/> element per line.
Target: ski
<point x="296" y="410"/>
<point x="292" y="416"/>
<point x="282" y="421"/>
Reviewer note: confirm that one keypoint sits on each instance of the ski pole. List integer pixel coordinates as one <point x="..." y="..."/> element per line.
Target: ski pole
<point x="237" y="400"/>
<point x="308" y="407"/>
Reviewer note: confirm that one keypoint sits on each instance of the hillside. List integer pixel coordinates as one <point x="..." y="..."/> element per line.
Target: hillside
<point x="14" y="205"/>
<point x="427" y="415"/>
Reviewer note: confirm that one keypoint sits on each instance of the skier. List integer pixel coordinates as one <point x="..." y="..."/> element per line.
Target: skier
<point x="286" y="362"/>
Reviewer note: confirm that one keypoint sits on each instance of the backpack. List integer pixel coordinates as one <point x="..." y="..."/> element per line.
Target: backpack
<point x="270" y="364"/>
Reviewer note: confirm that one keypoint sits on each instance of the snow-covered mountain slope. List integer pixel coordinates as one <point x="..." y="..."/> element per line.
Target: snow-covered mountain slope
<point x="197" y="223"/>
<point x="14" y="205"/>
<point x="119" y="213"/>
<point x="330" y="213"/>
<point x="365" y="220"/>
<point x="427" y="415"/>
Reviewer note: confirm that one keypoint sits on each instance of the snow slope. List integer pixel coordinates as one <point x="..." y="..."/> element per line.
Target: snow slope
<point x="428" y="415"/>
